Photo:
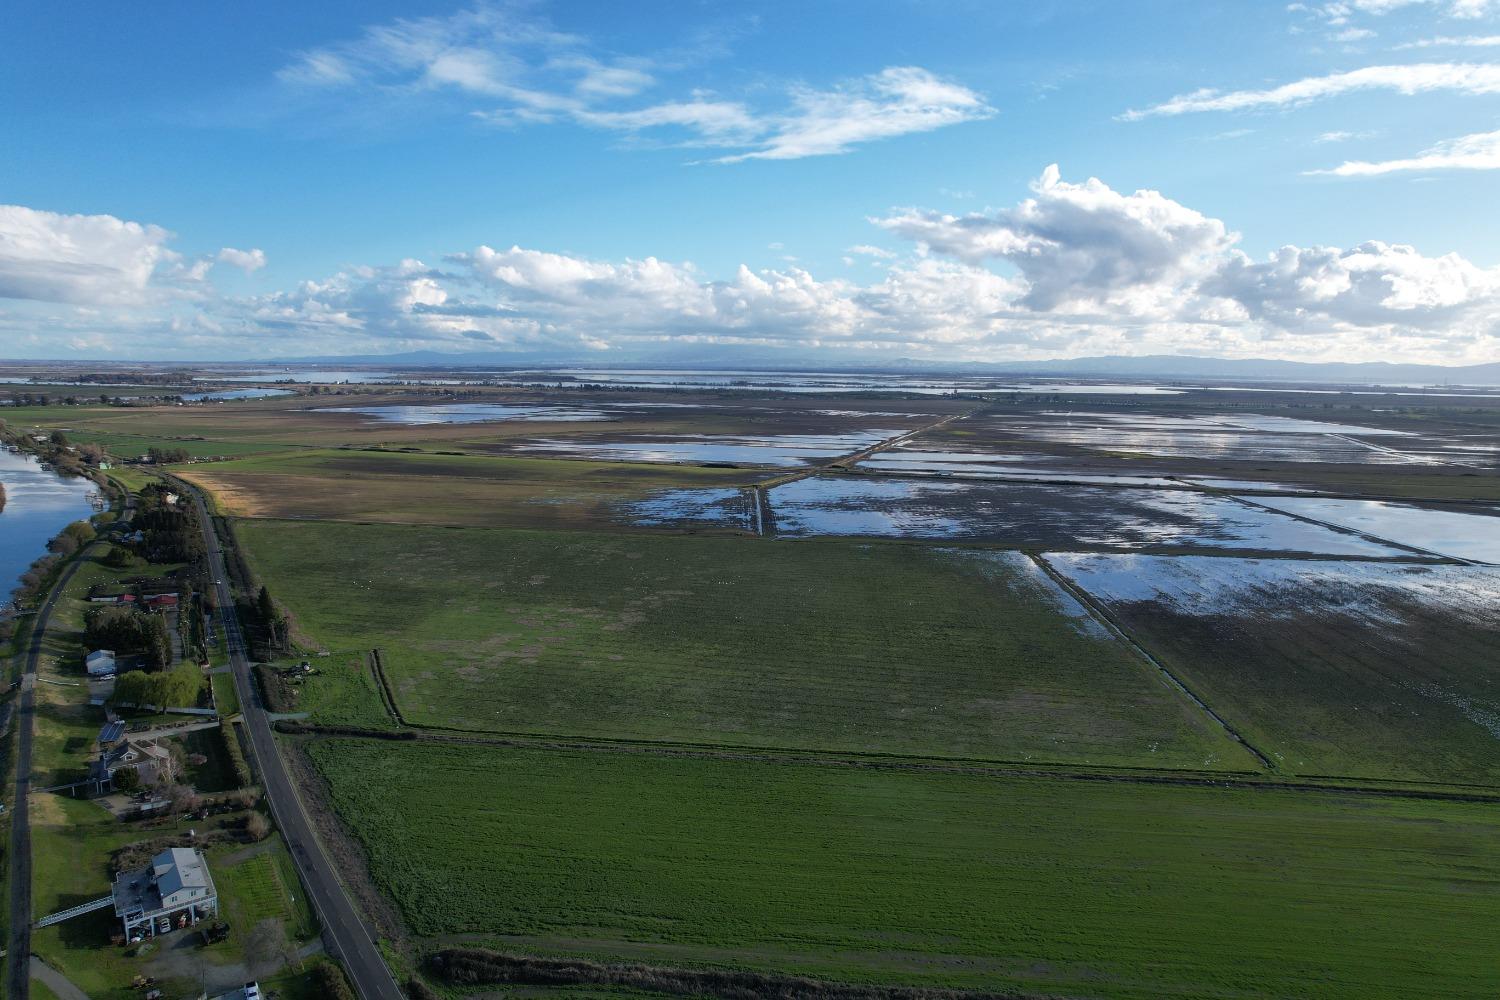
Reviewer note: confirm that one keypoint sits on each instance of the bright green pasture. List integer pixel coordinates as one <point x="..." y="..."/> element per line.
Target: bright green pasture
<point x="1079" y="888"/>
<point x="882" y="648"/>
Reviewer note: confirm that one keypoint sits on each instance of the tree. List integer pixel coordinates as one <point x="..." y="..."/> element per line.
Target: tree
<point x="119" y="557"/>
<point x="126" y="779"/>
<point x="126" y="630"/>
<point x="331" y="982"/>
<point x="58" y="438"/>
<point x="63" y="545"/>
<point x="80" y="531"/>
<point x="272" y="620"/>
<point x="257" y="827"/>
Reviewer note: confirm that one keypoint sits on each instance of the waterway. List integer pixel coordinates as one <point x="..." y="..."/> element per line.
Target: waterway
<point x="39" y="503"/>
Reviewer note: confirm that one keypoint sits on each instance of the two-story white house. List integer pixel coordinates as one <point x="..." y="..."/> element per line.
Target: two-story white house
<point x="175" y="891"/>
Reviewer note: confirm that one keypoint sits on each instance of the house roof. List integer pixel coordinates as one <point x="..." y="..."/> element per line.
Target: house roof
<point x="99" y="654"/>
<point x="180" y="868"/>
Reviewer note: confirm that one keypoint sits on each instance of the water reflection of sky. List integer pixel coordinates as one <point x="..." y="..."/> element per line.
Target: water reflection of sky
<point x="38" y="505"/>
<point x="776" y="450"/>
<point x="229" y="394"/>
<point x="1451" y="533"/>
<point x="726" y="508"/>
<point x="471" y="413"/>
<point x="1051" y="516"/>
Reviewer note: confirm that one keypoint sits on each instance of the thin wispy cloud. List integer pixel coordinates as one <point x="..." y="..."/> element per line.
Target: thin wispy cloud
<point x="1341" y="12"/>
<point x="1453" y="41"/>
<point x="1342" y="135"/>
<point x="1480" y="151"/>
<point x="899" y="100"/>
<point x="514" y="71"/>
<point x="1417" y="78"/>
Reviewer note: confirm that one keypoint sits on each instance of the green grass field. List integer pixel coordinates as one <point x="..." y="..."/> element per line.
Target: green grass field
<point x="1082" y="888"/>
<point x="824" y="645"/>
<point x="470" y="490"/>
<point x="1329" y="668"/>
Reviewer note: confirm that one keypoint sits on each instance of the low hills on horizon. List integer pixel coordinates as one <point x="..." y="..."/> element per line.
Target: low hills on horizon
<point x="1141" y="366"/>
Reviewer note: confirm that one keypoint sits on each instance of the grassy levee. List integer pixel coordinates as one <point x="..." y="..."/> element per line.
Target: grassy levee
<point x="469" y="490"/>
<point x="870" y="648"/>
<point x="874" y="876"/>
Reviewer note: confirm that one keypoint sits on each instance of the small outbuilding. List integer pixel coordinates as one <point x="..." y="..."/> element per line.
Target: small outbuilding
<point x="100" y="663"/>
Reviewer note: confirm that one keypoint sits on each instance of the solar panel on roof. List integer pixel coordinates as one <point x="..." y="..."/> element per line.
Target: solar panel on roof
<point x="112" y="731"/>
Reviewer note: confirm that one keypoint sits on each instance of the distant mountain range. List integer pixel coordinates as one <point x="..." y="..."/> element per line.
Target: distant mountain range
<point x="1164" y="366"/>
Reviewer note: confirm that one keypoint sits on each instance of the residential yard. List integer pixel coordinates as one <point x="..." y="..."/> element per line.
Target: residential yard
<point x="887" y="649"/>
<point x="1107" y="889"/>
<point x="72" y="844"/>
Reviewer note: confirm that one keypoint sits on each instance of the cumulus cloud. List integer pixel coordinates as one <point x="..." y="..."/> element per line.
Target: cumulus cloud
<point x="1124" y="259"/>
<point x="85" y="259"/>
<point x="511" y="70"/>
<point x="1074" y="268"/>
<point x="1417" y="78"/>
<point x="248" y="261"/>
<point x="1080" y="243"/>
<point x="1373" y="285"/>
<point x="1480" y="151"/>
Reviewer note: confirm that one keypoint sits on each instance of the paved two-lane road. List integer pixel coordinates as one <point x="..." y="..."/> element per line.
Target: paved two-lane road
<point x="346" y="934"/>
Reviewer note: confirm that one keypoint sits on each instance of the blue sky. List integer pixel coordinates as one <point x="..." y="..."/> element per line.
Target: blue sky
<point x="860" y="180"/>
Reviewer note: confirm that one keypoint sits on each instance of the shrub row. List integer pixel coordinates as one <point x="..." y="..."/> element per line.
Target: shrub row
<point x="236" y="753"/>
<point x="477" y="967"/>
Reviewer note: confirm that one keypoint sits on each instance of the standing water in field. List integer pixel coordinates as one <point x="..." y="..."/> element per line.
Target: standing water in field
<point x="714" y="508"/>
<point x="1472" y="534"/>
<point x="470" y="413"/>
<point x="38" y="504"/>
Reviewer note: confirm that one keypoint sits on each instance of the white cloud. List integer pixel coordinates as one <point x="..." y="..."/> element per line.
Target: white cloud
<point x="512" y="70"/>
<point x="1480" y="151"/>
<point x="1454" y="41"/>
<point x="713" y="122"/>
<point x="899" y="100"/>
<point x="1344" y="136"/>
<point x="1075" y="268"/>
<point x="1081" y="243"/>
<point x="1339" y="12"/>
<point x="1418" y="78"/>
<point x="1373" y="285"/>
<point x="248" y="261"/>
<point x="77" y="258"/>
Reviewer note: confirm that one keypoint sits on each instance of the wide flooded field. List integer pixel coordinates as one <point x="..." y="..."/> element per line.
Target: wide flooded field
<point x="1034" y="515"/>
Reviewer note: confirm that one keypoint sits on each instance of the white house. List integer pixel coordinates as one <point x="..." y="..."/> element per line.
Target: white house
<point x="100" y="663"/>
<point x="175" y="891"/>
